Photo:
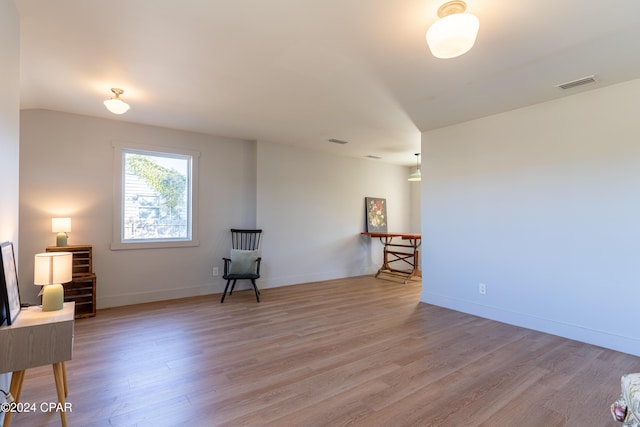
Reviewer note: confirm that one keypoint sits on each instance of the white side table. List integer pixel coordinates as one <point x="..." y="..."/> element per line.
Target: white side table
<point x="38" y="338"/>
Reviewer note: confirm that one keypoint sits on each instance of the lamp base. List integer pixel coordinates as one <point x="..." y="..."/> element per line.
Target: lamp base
<point x="61" y="239"/>
<point x="52" y="297"/>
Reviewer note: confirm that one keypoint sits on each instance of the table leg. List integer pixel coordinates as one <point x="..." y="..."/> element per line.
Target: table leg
<point x="385" y="255"/>
<point x="59" y="375"/>
<point x="414" y="264"/>
<point x="64" y="377"/>
<point x="410" y="258"/>
<point x="14" y="388"/>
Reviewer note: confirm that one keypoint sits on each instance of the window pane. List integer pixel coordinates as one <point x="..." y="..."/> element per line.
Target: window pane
<point x="156" y="202"/>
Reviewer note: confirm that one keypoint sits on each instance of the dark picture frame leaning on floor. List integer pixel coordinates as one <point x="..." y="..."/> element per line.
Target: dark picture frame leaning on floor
<point x="9" y="290"/>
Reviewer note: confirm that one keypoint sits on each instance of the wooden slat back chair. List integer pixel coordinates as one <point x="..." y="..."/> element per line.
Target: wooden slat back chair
<point x="244" y="261"/>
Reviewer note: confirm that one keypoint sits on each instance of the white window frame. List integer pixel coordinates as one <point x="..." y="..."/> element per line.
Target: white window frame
<point x="118" y="242"/>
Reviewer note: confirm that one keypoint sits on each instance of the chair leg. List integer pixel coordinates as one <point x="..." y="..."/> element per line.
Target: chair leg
<point x="255" y="288"/>
<point x="232" y="287"/>
<point x="225" y="291"/>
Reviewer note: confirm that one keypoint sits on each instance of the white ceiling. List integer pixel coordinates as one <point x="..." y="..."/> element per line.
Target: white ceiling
<point x="300" y="72"/>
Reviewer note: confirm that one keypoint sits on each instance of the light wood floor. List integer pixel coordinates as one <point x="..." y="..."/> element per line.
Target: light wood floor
<point x="358" y="351"/>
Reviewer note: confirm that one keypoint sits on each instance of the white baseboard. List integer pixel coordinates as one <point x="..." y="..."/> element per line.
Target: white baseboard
<point x="156" y="295"/>
<point x="575" y="332"/>
<point x="277" y="281"/>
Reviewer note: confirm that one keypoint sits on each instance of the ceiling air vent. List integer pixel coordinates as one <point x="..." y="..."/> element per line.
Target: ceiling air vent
<point x="338" y="141"/>
<point x="583" y="81"/>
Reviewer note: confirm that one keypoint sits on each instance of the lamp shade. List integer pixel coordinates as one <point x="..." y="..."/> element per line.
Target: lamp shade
<point x="415" y="176"/>
<point x="53" y="268"/>
<point x="453" y="35"/>
<point x="60" y="225"/>
<point x="116" y="106"/>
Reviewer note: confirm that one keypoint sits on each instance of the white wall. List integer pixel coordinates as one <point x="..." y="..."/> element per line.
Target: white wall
<point x="9" y="121"/>
<point x="9" y="132"/>
<point x="311" y="207"/>
<point x="542" y="205"/>
<point x="67" y="170"/>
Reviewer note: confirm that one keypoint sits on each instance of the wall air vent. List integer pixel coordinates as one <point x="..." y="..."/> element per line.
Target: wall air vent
<point x="338" y="141"/>
<point x="583" y="81"/>
<point x="373" y="157"/>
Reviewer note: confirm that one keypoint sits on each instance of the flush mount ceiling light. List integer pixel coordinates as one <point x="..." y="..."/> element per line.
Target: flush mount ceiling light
<point x="416" y="175"/>
<point x="116" y="105"/>
<point x="454" y="33"/>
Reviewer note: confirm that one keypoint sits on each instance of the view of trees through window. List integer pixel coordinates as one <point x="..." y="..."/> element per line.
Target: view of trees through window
<point x="156" y="202"/>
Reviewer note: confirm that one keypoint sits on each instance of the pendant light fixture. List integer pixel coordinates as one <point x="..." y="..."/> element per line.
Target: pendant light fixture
<point x="116" y="105"/>
<point x="454" y="33"/>
<point x="416" y="175"/>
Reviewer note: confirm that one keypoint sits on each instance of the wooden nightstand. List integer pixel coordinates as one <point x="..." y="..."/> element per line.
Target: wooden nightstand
<point x="82" y="288"/>
<point x="38" y="338"/>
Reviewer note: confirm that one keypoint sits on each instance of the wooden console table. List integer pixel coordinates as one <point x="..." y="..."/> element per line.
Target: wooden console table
<point x="393" y="253"/>
<point x="38" y="338"/>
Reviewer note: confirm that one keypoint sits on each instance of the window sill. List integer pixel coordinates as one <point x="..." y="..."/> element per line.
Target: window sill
<point x="117" y="246"/>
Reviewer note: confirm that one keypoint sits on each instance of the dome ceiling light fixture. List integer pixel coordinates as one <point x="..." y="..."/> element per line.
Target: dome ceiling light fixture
<point x="454" y="33"/>
<point x="416" y="175"/>
<point x="116" y="105"/>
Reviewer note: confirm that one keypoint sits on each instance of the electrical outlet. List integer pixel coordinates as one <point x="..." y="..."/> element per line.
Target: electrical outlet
<point x="482" y="288"/>
<point x="214" y="272"/>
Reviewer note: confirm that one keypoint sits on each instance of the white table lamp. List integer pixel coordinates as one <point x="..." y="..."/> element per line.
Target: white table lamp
<point x="61" y="226"/>
<point x="51" y="269"/>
